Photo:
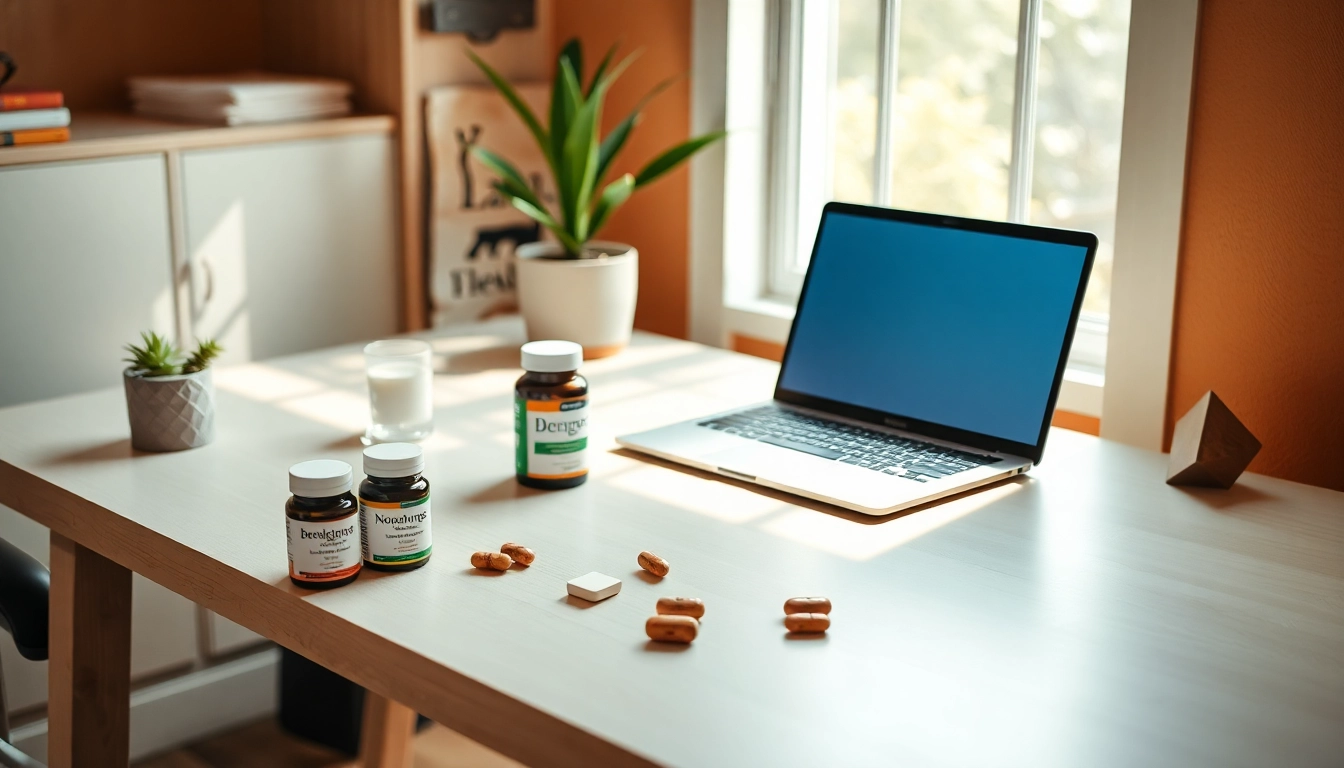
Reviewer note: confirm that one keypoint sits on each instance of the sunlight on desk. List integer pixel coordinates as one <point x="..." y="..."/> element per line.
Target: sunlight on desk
<point x="694" y="493"/>
<point x="350" y="362"/>
<point x="264" y="383"/>
<point x="858" y="541"/>
<point x="335" y="408"/>
<point x="460" y="390"/>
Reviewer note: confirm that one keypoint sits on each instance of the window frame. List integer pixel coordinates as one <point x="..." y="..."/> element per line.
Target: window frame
<point x="733" y="88"/>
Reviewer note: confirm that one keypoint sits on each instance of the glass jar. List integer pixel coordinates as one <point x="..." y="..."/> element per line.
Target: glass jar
<point x="401" y="382"/>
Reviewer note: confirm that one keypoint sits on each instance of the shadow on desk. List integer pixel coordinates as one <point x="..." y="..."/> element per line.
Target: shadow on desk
<point x="801" y="501"/>
<point x="476" y="360"/>
<point x="116" y="449"/>
<point x="1220" y="499"/>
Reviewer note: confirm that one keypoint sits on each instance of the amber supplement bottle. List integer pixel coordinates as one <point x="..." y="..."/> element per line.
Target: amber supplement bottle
<point x="394" y="508"/>
<point x="322" y="522"/>
<point x="550" y="416"/>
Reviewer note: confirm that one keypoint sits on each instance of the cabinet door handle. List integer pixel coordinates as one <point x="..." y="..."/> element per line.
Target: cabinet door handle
<point x="209" y="282"/>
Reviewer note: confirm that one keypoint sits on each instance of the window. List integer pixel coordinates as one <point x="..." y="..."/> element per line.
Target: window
<point x="995" y="109"/>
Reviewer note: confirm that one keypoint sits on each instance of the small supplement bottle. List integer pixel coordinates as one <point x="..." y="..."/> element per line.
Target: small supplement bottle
<point x="322" y="522"/>
<point x="394" y="508"/>
<point x="550" y="416"/>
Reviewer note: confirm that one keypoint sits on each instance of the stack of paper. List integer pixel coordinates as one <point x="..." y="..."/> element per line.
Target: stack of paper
<point x="240" y="99"/>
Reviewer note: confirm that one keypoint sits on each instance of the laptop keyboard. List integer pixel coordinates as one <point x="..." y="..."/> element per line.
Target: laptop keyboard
<point x="866" y="448"/>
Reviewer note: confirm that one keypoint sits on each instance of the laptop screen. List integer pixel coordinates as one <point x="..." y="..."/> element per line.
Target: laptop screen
<point x="959" y="328"/>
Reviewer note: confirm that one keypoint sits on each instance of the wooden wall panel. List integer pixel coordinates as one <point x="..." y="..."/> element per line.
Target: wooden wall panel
<point x="1260" y="294"/>
<point x="656" y="220"/>
<point x="355" y="40"/>
<point x="87" y="48"/>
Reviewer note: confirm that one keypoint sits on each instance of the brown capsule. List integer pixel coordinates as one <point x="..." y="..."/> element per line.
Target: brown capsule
<point x="520" y="554"/>
<point x="653" y="564"/>
<point x="681" y="606"/>
<point x="495" y="561"/>
<point x="671" y="629"/>
<point x="807" y="605"/>
<point x="807" y="622"/>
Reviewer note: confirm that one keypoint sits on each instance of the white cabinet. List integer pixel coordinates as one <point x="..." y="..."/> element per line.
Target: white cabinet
<point x="292" y="245"/>
<point x="283" y="247"/>
<point x="85" y="265"/>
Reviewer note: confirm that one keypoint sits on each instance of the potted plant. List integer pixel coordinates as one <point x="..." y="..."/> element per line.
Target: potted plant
<point x="578" y="288"/>
<point x="170" y="400"/>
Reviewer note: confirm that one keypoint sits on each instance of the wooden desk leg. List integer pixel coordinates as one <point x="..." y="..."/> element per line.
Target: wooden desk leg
<point x="89" y="676"/>
<point x="385" y="741"/>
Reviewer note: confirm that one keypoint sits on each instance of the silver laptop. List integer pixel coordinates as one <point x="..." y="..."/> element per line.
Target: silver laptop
<point x="924" y="360"/>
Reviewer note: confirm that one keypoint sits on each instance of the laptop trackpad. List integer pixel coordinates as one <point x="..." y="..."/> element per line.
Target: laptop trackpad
<point x="752" y="461"/>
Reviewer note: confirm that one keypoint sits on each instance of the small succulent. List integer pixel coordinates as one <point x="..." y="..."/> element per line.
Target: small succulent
<point x="157" y="356"/>
<point x="206" y="351"/>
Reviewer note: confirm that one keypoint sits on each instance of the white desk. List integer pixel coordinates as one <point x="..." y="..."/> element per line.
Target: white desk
<point x="1086" y="615"/>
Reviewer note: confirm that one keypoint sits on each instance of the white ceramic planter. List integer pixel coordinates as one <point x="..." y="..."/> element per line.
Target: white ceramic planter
<point x="587" y="301"/>
<point x="170" y="413"/>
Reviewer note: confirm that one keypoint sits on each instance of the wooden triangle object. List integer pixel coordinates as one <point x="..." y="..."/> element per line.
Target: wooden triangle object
<point x="1210" y="446"/>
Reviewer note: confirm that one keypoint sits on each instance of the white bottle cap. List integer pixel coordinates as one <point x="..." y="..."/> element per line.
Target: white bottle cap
<point x="320" y="479"/>
<point x="552" y="356"/>
<point x="393" y="460"/>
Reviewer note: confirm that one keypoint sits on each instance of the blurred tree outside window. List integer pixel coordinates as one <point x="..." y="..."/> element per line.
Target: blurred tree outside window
<point x="952" y="114"/>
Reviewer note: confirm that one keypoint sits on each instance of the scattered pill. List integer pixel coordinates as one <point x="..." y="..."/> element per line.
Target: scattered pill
<point x="520" y="554"/>
<point x="594" y="586"/>
<point x="671" y="629"/>
<point x="807" y="605"/>
<point x="807" y="622"/>
<point x="495" y="561"/>
<point x="681" y="606"/>
<point x="653" y="564"/>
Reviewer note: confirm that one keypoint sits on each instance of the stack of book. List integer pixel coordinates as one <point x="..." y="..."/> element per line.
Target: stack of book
<point x="33" y="117"/>
<point x="240" y="99"/>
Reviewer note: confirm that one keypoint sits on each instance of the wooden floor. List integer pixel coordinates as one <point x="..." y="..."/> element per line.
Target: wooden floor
<point x="263" y="745"/>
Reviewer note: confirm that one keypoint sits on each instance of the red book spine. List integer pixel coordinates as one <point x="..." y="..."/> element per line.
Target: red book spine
<point x="14" y="100"/>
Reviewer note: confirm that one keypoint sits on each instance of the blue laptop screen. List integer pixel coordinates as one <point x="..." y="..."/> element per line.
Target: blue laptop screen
<point x="962" y="329"/>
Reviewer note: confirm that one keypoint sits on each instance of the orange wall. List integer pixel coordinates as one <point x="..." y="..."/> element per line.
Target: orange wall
<point x="656" y="220"/>
<point x="1260" y="291"/>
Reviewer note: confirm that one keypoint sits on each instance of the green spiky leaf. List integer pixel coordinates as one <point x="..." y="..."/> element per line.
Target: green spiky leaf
<point x="516" y="101"/>
<point x="571" y="246"/>
<point x="675" y="156"/>
<point x="613" y="196"/>
<point x="155" y="356"/>
<point x="567" y="89"/>
<point x="578" y="156"/>
<point x="506" y="172"/>
<point x="601" y="68"/>
<point x="206" y="352"/>
<point x="612" y="144"/>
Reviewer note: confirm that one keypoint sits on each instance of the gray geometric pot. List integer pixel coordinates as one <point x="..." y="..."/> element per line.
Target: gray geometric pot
<point x="170" y="413"/>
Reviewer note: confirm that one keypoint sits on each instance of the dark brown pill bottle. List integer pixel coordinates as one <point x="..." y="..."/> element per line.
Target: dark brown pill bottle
<point x="550" y="417"/>
<point x="322" y="525"/>
<point x="394" y="508"/>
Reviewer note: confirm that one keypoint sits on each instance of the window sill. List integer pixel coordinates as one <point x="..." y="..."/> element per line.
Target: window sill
<point x="769" y="320"/>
